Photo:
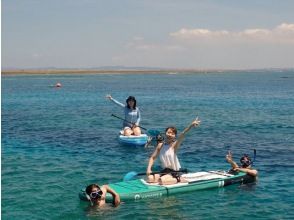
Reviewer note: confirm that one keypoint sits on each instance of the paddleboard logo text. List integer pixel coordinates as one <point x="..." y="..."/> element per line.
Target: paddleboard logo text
<point x="147" y="196"/>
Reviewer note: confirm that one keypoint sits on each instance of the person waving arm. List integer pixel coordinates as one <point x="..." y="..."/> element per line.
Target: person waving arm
<point x="181" y="137"/>
<point x="115" y="101"/>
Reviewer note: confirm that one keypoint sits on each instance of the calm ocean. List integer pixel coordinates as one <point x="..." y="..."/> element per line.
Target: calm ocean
<point x="57" y="140"/>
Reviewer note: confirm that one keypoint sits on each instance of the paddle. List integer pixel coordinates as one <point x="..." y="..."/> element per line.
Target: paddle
<point x="152" y="133"/>
<point x="131" y="175"/>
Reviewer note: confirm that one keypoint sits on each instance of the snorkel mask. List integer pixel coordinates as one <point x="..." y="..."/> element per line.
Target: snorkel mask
<point x="95" y="195"/>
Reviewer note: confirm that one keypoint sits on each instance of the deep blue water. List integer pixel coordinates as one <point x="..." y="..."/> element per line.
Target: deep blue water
<point x="56" y="141"/>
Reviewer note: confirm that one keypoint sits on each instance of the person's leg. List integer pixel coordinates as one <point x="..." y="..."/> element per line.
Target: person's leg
<point x="153" y="178"/>
<point x="167" y="180"/>
<point x="137" y="131"/>
<point x="128" y="131"/>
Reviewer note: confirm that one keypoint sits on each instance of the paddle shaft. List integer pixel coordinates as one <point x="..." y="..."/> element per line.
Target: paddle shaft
<point x="127" y="121"/>
<point x="160" y="172"/>
<point x="133" y="174"/>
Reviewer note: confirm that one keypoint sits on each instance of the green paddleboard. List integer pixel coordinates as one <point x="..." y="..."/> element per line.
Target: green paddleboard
<point x="139" y="189"/>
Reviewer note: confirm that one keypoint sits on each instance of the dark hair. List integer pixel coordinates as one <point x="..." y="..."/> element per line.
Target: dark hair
<point x="90" y="188"/>
<point x="173" y="128"/>
<point x="131" y="98"/>
<point x="245" y="163"/>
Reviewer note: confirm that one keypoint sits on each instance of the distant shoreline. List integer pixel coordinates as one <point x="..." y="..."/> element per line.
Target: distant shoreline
<point x="98" y="71"/>
<point x="130" y="71"/>
<point x="90" y="71"/>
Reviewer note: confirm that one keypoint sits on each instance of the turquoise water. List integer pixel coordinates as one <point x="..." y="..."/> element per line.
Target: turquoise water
<point x="56" y="141"/>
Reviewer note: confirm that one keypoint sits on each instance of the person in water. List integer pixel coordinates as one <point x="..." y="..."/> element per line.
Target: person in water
<point x="167" y="151"/>
<point x="96" y="195"/>
<point x="246" y="163"/>
<point x="132" y="116"/>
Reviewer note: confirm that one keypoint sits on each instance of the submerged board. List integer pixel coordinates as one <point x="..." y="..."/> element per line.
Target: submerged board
<point x="139" y="189"/>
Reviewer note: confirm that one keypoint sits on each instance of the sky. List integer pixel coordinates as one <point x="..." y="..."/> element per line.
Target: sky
<point x="199" y="34"/>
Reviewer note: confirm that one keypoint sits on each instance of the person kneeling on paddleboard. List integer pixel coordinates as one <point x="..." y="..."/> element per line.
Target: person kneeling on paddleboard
<point x="246" y="163"/>
<point x="96" y="195"/>
<point x="167" y="152"/>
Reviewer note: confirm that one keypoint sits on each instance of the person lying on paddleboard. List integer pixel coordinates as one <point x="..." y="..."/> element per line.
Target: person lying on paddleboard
<point x="246" y="163"/>
<point x="96" y="195"/>
<point x="132" y="116"/>
<point x="167" y="152"/>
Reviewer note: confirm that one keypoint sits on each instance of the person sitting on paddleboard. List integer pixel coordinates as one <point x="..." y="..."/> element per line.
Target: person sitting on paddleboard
<point x="132" y="116"/>
<point x="246" y="163"/>
<point x="96" y="195"/>
<point x="167" y="152"/>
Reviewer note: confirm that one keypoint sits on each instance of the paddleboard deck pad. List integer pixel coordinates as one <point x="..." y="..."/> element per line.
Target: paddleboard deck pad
<point x="139" y="189"/>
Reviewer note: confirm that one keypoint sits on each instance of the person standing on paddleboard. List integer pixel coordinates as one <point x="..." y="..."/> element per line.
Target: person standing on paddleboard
<point x="246" y="163"/>
<point x="132" y="116"/>
<point x="167" y="152"/>
<point x="96" y="195"/>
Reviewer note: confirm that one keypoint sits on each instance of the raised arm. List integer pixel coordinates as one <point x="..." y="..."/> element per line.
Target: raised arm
<point x="230" y="160"/>
<point x="115" y="101"/>
<point x="116" y="198"/>
<point x="181" y="137"/>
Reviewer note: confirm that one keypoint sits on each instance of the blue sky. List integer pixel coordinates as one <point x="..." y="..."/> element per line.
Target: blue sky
<point x="147" y="33"/>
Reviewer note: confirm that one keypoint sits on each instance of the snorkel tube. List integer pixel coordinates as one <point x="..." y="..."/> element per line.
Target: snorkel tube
<point x="254" y="156"/>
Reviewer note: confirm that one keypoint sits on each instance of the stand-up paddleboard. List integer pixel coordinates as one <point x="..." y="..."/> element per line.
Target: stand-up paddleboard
<point x="136" y="140"/>
<point x="133" y="140"/>
<point x="139" y="189"/>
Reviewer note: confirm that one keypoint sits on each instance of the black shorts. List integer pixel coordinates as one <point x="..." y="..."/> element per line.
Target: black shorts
<point x="172" y="172"/>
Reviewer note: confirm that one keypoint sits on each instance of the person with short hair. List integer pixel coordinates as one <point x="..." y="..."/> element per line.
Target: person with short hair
<point x="246" y="163"/>
<point x="97" y="195"/>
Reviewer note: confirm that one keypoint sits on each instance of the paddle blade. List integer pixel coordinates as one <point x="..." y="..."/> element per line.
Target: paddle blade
<point x="130" y="175"/>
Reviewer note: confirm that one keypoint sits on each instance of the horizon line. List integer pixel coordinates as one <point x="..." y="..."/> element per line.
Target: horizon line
<point x="54" y="70"/>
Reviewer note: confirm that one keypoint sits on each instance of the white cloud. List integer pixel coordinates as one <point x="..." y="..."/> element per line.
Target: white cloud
<point x="286" y="27"/>
<point x="204" y="48"/>
<point x="140" y="45"/>
<point x="195" y="33"/>
<point x="283" y="33"/>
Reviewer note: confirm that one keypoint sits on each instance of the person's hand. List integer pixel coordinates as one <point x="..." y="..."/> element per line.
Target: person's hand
<point x="116" y="200"/>
<point x="196" y="122"/>
<point x="108" y="96"/>
<point x="229" y="157"/>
